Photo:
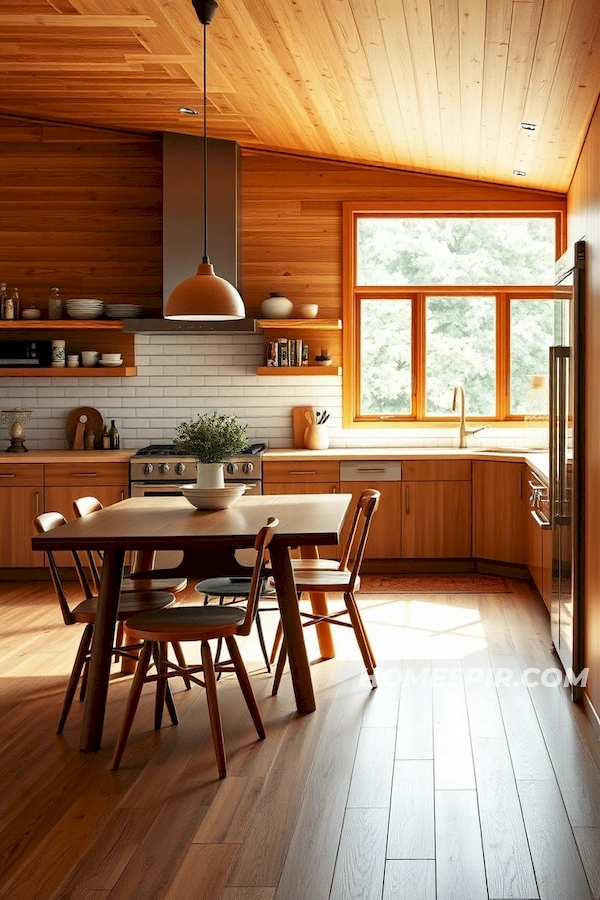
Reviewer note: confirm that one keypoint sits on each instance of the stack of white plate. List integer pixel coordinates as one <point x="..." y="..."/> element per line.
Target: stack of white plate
<point x="213" y="498"/>
<point x="111" y="359"/>
<point x="124" y="310"/>
<point x="85" y="309"/>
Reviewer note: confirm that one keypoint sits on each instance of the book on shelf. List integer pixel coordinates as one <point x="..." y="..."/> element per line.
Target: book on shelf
<point x="289" y="352"/>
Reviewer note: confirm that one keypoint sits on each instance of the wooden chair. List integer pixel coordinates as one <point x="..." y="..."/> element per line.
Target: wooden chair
<point x="340" y="580"/>
<point x="84" y="506"/>
<point x="85" y="612"/>
<point x="203" y="624"/>
<point x="237" y="590"/>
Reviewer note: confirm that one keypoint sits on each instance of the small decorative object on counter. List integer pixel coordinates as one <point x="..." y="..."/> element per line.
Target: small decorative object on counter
<point x="55" y="305"/>
<point x="3" y="299"/>
<point x="276" y="306"/>
<point x="114" y="437"/>
<point x="308" y="310"/>
<point x="105" y="438"/>
<point x="89" y="440"/>
<point x="59" y="355"/>
<point x="16" y="301"/>
<point x="323" y="358"/>
<point x="16" y="419"/>
<point x="316" y="436"/>
<point x="211" y="439"/>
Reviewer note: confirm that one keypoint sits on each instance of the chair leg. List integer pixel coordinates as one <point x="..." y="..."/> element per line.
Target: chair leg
<point x="132" y="702"/>
<point x="181" y="661"/>
<point x="242" y="677"/>
<point x="359" y="619"/>
<point x="261" y="640"/>
<point x="169" y="700"/>
<point x="84" y="681"/>
<point x="161" y="684"/>
<point x="118" y="639"/>
<point x="213" y="708"/>
<point x="279" y="670"/>
<point x="80" y="659"/>
<point x="361" y="638"/>
<point x="276" y="642"/>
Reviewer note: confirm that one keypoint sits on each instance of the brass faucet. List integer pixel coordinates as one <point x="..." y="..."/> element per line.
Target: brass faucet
<point x="464" y="432"/>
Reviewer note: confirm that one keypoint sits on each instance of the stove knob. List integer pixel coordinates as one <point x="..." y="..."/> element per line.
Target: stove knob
<point x="164" y="468"/>
<point x="232" y="468"/>
<point x="248" y="468"/>
<point x="148" y="468"/>
<point x="180" y="468"/>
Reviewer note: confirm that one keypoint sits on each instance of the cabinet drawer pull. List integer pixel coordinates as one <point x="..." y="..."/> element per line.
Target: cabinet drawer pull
<point x="370" y="470"/>
<point x="406" y="501"/>
<point x="541" y="520"/>
<point x="11" y="475"/>
<point x="302" y="472"/>
<point x="37" y="503"/>
<point x="83" y="474"/>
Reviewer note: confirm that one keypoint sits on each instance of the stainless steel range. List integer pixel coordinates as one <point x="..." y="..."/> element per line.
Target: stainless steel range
<point x="158" y="470"/>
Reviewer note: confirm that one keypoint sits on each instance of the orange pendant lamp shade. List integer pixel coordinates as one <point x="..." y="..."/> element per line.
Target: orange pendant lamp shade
<point x="205" y="296"/>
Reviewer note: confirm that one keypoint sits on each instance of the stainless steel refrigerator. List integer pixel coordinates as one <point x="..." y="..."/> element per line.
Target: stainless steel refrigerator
<point x="567" y="399"/>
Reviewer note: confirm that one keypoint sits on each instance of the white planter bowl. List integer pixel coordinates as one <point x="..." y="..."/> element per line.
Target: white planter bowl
<point x="213" y="498"/>
<point x="276" y="308"/>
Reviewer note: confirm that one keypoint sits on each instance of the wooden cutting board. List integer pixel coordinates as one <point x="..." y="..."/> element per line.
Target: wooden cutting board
<point x="300" y="424"/>
<point x="94" y="423"/>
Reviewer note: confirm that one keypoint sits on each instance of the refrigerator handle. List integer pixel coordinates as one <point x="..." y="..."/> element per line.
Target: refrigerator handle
<point x="552" y="436"/>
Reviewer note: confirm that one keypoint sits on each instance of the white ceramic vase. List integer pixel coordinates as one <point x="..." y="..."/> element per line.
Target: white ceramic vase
<point x="276" y="306"/>
<point x="316" y="437"/>
<point x="210" y="475"/>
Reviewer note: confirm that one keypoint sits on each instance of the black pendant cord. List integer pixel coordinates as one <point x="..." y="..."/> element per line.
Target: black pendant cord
<point x="205" y="258"/>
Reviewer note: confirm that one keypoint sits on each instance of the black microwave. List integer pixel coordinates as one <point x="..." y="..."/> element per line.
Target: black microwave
<point x="26" y="354"/>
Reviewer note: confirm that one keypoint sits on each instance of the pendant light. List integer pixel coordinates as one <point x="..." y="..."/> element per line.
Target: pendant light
<point x="205" y="296"/>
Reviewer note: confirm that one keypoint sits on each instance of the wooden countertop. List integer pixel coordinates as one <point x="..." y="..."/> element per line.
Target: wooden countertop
<point x="67" y="456"/>
<point x="537" y="460"/>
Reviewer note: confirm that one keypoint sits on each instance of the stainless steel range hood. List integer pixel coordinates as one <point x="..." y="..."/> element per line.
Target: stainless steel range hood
<point x="183" y="226"/>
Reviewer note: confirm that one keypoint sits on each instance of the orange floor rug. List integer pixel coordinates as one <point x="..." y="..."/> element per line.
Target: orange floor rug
<point x="424" y="583"/>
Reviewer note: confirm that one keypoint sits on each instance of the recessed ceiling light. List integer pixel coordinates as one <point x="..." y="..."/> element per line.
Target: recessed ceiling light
<point x="518" y="172"/>
<point x="188" y="111"/>
<point x="528" y="126"/>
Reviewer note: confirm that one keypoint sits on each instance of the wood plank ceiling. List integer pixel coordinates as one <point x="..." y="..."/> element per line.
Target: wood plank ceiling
<point x="431" y="85"/>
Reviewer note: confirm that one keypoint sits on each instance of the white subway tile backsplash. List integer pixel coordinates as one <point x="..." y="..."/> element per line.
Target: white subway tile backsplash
<point x="183" y="375"/>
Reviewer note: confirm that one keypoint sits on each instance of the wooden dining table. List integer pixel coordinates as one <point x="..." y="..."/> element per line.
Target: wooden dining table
<point x="208" y="540"/>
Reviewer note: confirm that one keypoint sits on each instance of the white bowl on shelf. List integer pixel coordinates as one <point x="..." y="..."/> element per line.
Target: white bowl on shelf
<point x="110" y="363"/>
<point x="213" y="498"/>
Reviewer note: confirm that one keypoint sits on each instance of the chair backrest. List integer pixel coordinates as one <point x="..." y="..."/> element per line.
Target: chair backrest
<point x="263" y="539"/>
<point x="83" y="507"/>
<point x="365" y="509"/>
<point x="48" y="522"/>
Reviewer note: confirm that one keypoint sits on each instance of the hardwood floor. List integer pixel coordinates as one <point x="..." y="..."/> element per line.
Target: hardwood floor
<point x="453" y="780"/>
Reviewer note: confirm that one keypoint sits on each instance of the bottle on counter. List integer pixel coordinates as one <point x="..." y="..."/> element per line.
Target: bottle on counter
<point x="105" y="439"/>
<point x="89" y="440"/>
<point x="16" y="301"/>
<point x="113" y="433"/>
<point x="55" y="305"/>
<point x="3" y="299"/>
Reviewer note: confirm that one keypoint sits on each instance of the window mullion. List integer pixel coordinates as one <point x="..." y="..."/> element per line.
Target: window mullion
<point x="502" y="356"/>
<point x="419" y="356"/>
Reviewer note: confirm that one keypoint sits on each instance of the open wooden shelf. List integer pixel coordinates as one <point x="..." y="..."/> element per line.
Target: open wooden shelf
<point x="61" y="325"/>
<point x="78" y="372"/>
<point x="299" y="370"/>
<point x="303" y="324"/>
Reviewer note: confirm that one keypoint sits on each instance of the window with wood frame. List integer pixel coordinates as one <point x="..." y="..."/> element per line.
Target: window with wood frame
<point x="434" y="300"/>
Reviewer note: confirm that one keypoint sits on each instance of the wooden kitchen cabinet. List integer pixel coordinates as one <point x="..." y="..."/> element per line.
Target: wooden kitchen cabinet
<point x="436" y="509"/>
<point x="319" y="477"/>
<point x="500" y="501"/>
<point x="21" y="497"/>
<point x="66" y="482"/>
<point x="384" y="536"/>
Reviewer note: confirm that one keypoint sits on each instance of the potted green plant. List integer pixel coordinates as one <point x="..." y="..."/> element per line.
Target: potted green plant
<point x="211" y="438"/>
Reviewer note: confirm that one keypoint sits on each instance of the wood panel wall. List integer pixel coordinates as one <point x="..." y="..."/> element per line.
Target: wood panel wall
<point x="292" y="219"/>
<point x="584" y="222"/>
<point x="81" y="209"/>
